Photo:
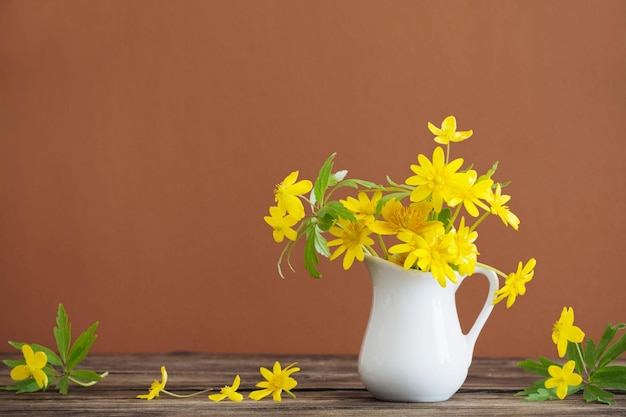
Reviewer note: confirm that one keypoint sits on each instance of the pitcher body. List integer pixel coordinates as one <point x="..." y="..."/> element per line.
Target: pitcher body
<point x="414" y="349"/>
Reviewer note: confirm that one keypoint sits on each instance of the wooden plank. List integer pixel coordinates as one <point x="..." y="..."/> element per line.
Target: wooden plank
<point x="328" y="386"/>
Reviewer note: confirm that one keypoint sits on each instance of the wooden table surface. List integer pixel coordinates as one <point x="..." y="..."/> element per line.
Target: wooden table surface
<point x="327" y="386"/>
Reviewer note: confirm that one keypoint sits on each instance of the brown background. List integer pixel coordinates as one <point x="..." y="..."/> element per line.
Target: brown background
<point x="140" y="142"/>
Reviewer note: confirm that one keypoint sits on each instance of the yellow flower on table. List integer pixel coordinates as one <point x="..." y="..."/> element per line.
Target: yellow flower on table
<point x="276" y="381"/>
<point x="564" y="331"/>
<point x="35" y="362"/>
<point x="156" y="386"/>
<point x="229" y="392"/>
<point x="562" y="378"/>
<point x="287" y="194"/>
<point x="447" y="133"/>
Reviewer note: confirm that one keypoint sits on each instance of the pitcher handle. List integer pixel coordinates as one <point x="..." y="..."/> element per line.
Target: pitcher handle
<point x="494" y="284"/>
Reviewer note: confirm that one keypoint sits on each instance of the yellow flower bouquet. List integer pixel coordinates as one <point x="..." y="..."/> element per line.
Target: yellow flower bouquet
<point x="428" y="223"/>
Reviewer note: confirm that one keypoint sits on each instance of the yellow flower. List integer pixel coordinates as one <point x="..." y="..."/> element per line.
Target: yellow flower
<point x="448" y="132"/>
<point x="287" y="192"/>
<point x="35" y="362"/>
<point x="433" y="252"/>
<point x="281" y="224"/>
<point x="467" y="252"/>
<point x="397" y="217"/>
<point x="363" y="208"/>
<point x="515" y="284"/>
<point x="562" y="378"/>
<point x="156" y="386"/>
<point x="497" y="201"/>
<point x="276" y="382"/>
<point x="436" y="179"/>
<point x="564" y="331"/>
<point x="351" y="238"/>
<point x="229" y="392"/>
<point x="472" y="194"/>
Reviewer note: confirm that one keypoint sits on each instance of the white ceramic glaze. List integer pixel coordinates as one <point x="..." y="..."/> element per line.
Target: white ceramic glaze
<point x="414" y="349"/>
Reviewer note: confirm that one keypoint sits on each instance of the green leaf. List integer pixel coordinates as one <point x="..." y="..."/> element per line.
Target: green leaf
<point x="27" y="385"/>
<point x="13" y="363"/>
<point x="17" y="345"/>
<point x="612" y="377"/>
<point x="533" y="388"/>
<point x="81" y="347"/>
<point x="590" y="354"/>
<point x="63" y="333"/>
<point x="320" y="244"/>
<point x="573" y="353"/>
<point x="444" y="216"/>
<point x="84" y="377"/>
<point x="609" y="334"/>
<point x="310" y="253"/>
<point x="538" y="368"/>
<point x="355" y="183"/>
<point x="593" y="393"/>
<point x="542" y="394"/>
<point x="323" y="178"/>
<point x="53" y="358"/>
<point x="489" y="173"/>
<point x="613" y="352"/>
<point x="63" y="384"/>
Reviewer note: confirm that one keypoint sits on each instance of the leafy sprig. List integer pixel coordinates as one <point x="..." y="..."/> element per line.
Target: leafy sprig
<point x="69" y="356"/>
<point x="593" y="363"/>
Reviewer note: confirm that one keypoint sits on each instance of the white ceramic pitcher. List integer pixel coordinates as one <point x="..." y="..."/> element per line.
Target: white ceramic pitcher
<point x="414" y="349"/>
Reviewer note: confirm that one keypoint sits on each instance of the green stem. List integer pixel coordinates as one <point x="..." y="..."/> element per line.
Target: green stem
<point x="582" y="359"/>
<point x="454" y="216"/>
<point x="187" y="395"/>
<point x="502" y="274"/>
<point x="381" y="242"/>
<point x="479" y="221"/>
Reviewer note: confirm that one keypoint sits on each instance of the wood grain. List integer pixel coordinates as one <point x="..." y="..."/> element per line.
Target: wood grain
<point x="328" y="386"/>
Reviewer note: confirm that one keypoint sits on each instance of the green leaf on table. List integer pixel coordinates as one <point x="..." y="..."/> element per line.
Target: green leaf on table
<point x="612" y="377"/>
<point x="63" y="384"/>
<point x="542" y="394"/>
<point x="537" y="368"/>
<point x="27" y="385"/>
<point x="86" y="378"/>
<point x="63" y="333"/>
<point x="53" y="358"/>
<point x="13" y="363"/>
<point x="594" y="393"/>
<point x="607" y="337"/>
<point x="590" y="354"/>
<point x="81" y="347"/>
<point x="613" y="352"/>
<point x="533" y="389"/>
